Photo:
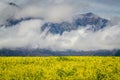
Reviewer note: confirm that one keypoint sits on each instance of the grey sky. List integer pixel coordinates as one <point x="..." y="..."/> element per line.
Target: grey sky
<point x="101" y="7"/>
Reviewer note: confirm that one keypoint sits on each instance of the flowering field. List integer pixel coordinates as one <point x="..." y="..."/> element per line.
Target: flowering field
<point x="60" y="68"/>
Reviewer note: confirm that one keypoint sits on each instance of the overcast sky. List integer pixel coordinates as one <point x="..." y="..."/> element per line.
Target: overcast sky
<point x="106" y="8"/>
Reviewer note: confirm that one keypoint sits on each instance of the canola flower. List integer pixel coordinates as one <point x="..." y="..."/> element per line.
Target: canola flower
<point x="60" y="68"/>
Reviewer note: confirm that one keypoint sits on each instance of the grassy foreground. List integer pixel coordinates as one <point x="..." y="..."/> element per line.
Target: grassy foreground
<point x="60" y="68"/>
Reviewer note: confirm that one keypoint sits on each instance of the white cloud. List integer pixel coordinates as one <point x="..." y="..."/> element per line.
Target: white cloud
<point x="50" y="10"/>
<point x="59" y="13"/>
<point x="19" y="35"/>
<point x="6" y="11"/>
<point x="54" y="13"/>
<point x="27" y="34"/>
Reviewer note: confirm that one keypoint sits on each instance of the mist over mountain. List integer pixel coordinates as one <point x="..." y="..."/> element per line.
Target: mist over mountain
<point x="94" y="22"/>
<point x="56" y="30"/>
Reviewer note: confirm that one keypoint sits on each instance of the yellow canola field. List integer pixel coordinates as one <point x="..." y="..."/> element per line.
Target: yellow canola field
<point x="60" y="68"/>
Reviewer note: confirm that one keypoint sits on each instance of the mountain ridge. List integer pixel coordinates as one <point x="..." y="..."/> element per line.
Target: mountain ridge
<point x="82" y="20"/>
<point x="47" y="52"/>
<point x="95" y="22"/>
<point x="90" y="19"/>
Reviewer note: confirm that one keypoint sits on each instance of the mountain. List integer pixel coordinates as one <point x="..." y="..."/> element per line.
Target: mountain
<point x="94" y="22"/>
<point x="88" y="20"/>
<point x="46" y="52"/>
<point x="12" y="22"/>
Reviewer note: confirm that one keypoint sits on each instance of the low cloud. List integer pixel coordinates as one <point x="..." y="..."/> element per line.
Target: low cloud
<point x="54" y="13"/>
<point x="49" y="10"/>
<point x="6" y="11"/>
<point x="28" y="34"/>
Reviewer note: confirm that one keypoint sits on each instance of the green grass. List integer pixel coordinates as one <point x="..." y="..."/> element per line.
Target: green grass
<point x="60" y="68"/>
